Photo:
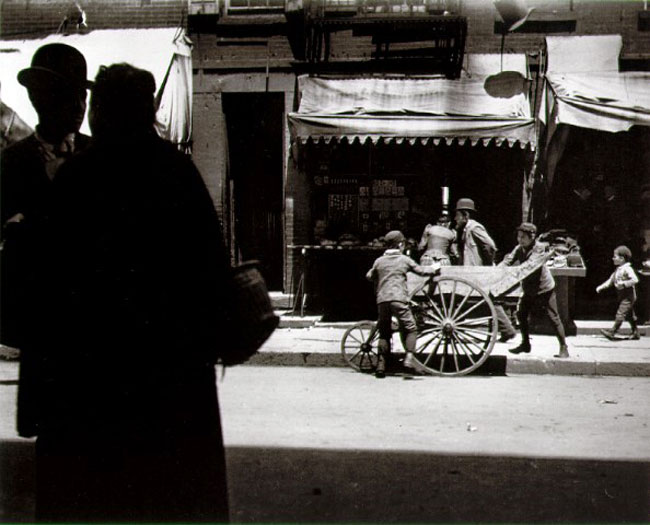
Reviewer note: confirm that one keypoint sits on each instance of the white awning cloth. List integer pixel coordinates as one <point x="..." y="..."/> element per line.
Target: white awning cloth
<point x="413" y="110"/>
<point x="606" y="101"/>
<point x="584" y="87"/>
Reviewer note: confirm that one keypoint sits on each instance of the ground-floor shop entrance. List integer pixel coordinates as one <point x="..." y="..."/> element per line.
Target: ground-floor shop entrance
<point x="254" y="191"/>
<point x="360" y="191"/>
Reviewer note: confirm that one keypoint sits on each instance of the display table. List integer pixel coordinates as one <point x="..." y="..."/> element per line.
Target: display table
<point x="565" y="292"/>
<point x="334" y="284"/>
<point x="643" y="297"/>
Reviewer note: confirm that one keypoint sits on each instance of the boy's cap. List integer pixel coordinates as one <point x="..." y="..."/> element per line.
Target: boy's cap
<point x="527" y="227"/>
<point x="394" y="237"/>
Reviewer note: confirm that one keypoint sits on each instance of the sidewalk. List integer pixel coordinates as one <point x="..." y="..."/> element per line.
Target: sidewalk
<point x="319" y="345"/>
<point x="590" y="354"/>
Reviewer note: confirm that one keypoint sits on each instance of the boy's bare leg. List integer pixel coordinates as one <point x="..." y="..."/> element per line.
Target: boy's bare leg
<point x="410" y="340"/>
<point x="383" y="346"/>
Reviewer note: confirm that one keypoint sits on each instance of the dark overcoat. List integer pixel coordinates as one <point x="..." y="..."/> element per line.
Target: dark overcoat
<point x="129" y="425"/>
<point x="26" y="191"/>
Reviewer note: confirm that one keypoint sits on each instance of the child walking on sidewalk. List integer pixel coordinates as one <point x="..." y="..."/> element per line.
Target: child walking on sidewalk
<point x="624" y="280"/>
<point x="389" y="273"/>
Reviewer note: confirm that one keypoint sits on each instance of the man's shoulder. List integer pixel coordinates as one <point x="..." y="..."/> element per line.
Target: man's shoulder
<point x="516" y="252"/>
<point x="19" y="149"/>
<point x="473" y="226"/>
<point x="628" y="268"/>
<point x="538" y="249"/>
<point x="82" y="142"/>
<point x="392" y="258"/>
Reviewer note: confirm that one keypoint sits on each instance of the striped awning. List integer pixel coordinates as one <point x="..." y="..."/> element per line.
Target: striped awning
<point x="432" y="110"/>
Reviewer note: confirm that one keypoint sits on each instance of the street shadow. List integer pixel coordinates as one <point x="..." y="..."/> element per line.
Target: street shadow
<point x="291" y="485"/>
<point x="308" y="485"/>
<point x="17" y="481"/>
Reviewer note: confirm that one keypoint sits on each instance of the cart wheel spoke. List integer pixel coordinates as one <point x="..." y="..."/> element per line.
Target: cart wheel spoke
<point x="457" y="327"/>
<point x="471" y="338"/>
<point x="459" y="308"/>
<point x="444" y="356"/>
<point x="426" y="361"/>
<point x="479" y="333"/>
<point x="420" y="348"/>
<point x="475" y="321"/>
<point x="470" y="355"/>
<point x="468" y="343"/>
<point x="355" y="338"/>
<point x="471" y="309"/>
<point x="455" y="353"/>
<point x="359" y="346"/>
<point x="452" y="299"/>
<point x="442" y="301"/>
<point x="436" y="311"/>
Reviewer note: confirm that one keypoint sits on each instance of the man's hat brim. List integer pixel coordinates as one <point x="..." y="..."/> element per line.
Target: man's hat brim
<point x="38" y="76"/>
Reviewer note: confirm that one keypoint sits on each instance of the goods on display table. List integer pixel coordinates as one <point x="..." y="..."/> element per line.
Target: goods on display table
<point x="333" y="277"/>
<point x="359" y="208"/>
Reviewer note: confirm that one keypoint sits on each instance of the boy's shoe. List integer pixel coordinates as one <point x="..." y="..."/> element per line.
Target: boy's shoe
<point x="409" y="361"/>
<point x="506" y="336"/>
<point x="523" y="348"/>
<point x="609" y="334"/>
<point x="636" y="335"/>
<point x="564" y="352"/>
<point x="380" y="371"/>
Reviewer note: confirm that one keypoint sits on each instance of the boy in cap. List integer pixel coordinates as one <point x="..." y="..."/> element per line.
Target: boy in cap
<point x="389" y="274"/>
<point x="538" y="288"/>
<point x="624" y="280"/>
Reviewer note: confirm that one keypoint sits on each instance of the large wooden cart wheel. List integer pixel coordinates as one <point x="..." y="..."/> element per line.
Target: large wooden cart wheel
<point x="359" y="346"/>
<point x="457" y="326"/>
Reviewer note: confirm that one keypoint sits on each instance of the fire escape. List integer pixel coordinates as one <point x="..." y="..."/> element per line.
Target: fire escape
<point x="414" y="36"/>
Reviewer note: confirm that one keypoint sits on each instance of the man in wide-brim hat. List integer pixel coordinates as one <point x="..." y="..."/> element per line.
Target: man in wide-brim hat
<point x="57" y="85"/>
<point x="476" y="248"/>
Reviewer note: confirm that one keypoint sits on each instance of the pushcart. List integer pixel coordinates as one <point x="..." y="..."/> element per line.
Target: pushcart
<point x="455" y="316"/>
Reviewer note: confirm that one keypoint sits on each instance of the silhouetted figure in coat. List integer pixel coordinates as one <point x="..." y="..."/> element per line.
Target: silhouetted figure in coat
<point x="129" y="425"/>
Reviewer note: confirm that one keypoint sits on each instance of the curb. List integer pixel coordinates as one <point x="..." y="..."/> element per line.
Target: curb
<point x="307" y="321"/>
<point x="494" y="365"/>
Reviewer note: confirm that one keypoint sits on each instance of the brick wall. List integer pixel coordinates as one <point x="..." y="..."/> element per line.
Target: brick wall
<point x="35" y="18"/>
<point x="591" y="17"/>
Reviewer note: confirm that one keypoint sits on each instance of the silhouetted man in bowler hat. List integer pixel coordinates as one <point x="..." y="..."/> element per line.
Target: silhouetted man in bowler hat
<point x="57" y="86"/>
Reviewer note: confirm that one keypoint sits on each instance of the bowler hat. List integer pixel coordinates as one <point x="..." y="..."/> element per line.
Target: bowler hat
<point x="527" y="227"/>
<point x="465" y="204"/>
<point x="394" y="237"/>
<point x="56" y="62"/>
